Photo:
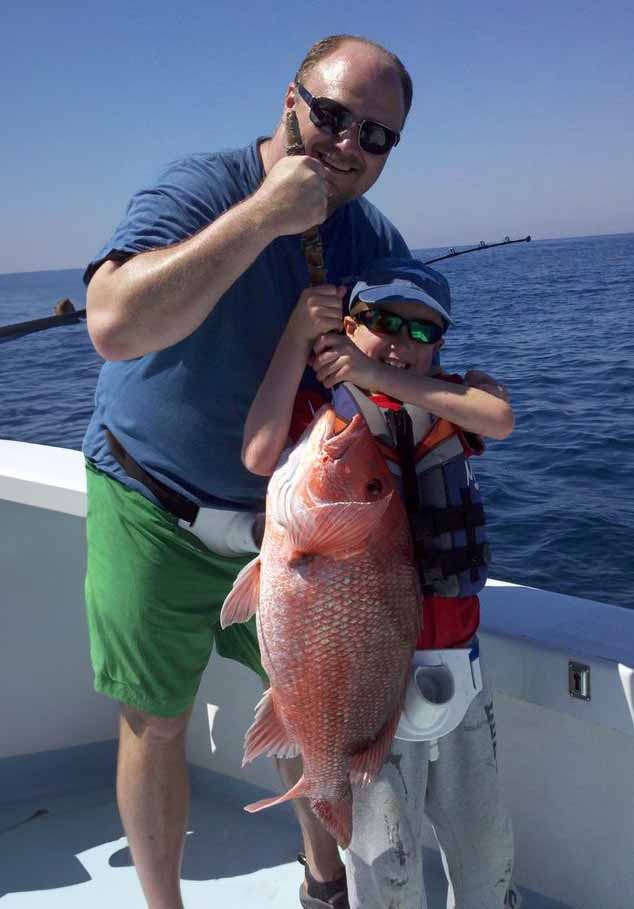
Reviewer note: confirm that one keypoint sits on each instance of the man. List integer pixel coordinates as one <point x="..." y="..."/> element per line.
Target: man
<point x="187" y="302"/>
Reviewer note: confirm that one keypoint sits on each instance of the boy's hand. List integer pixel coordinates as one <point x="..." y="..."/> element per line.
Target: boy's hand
<point x="478" y="379"/>
<point x="318" y="311"/>
<point x="338" y="360"/>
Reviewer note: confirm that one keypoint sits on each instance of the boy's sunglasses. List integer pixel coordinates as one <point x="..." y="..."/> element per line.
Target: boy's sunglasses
<point x="389" y="323"/>
<point x="327" y="114"/>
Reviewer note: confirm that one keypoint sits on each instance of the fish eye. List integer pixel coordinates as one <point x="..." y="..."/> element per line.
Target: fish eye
<point x="374" y="487"/>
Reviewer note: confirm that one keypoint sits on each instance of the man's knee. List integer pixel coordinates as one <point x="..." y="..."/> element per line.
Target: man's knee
<point x="156" y="730"/>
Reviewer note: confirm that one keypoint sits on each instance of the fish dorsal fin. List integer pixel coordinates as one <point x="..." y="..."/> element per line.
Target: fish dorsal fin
<point x="339" y="530"/>
<point x="243" y="598"/>
<point x="266" y="735"/>
<point x="366" y="765"/>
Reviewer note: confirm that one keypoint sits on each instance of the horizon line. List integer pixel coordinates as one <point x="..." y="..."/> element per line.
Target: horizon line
<point x="622" y="233"/>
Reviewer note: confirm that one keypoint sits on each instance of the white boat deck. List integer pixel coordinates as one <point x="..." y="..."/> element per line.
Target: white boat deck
<point x="64" y="848"/>
<point x="565" y="764"/>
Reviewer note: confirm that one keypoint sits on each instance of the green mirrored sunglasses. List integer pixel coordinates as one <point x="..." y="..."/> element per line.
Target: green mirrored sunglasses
<point x="389" y="323"/>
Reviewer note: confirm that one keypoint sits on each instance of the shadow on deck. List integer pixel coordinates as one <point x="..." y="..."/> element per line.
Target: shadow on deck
<point x="64" y="847"/>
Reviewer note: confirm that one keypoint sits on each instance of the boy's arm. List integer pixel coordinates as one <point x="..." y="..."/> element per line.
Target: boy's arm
<point x="484" y="381"/>
<point x="266" y="429"/>
<point x="483" y="410"/>
<point x="469" y="407"/>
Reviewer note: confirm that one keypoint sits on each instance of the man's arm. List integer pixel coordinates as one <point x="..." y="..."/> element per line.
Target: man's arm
<point x="318" y="311"/>
<point x="157" y="298"/>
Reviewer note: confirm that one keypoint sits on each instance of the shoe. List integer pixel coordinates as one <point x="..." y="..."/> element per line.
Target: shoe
<point x="327" y="895"/>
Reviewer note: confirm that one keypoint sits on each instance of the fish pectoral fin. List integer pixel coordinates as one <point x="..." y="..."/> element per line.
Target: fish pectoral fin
<point x="243" y="598"/>
<point x="267" y="735"/>
<point x="299" y="790"/>
<point x="339" y="530"/>
<point x="366" y="765"/>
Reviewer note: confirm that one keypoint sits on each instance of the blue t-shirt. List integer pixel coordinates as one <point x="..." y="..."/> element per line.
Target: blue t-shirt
<point x="180" y="412"/>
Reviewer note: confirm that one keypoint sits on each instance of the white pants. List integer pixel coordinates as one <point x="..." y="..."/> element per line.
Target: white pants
<point x="459" y="794"/>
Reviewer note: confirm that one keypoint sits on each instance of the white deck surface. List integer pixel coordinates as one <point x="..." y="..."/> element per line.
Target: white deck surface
<point x="565" y="764"/>
<point x="73" y="853"/>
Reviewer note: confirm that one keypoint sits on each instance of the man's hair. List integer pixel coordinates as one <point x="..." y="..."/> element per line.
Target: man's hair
<point x="326" y="46"/>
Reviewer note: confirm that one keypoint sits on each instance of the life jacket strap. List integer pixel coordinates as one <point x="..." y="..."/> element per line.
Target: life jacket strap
<point x="399" y="423"/>
<point x="438" y="566"/>
<point x="432" y="522"/>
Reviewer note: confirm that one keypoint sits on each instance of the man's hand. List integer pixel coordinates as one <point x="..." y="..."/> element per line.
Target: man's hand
<point x="294" y="195"/>
<point x="338" y="360"/>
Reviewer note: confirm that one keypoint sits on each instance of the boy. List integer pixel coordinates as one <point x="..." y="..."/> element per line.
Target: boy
<point x="427" y="424"/>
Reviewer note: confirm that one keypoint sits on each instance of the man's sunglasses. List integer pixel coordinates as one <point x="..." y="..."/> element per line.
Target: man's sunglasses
<point x="389" y="323"/>
<point x="327" y="114"/>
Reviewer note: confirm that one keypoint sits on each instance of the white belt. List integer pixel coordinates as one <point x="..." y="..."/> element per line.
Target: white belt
<point x="227" y="533"/>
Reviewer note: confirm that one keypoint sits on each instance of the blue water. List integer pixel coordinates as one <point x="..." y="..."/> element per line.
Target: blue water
<point x="551" y="319"/>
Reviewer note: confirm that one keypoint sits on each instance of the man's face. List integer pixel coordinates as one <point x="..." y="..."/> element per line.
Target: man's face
<point x="360" y="78"/>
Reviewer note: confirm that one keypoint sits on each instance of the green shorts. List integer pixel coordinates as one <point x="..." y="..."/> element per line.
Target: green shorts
<point x="153" y="596"/>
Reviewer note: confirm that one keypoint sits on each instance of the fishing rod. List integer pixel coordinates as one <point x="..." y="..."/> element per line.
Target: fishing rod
<point x="65" y="317"/>
<point x="312" y="250"/>
<point x="312" y="245"/>
<point x="481" y="245"/>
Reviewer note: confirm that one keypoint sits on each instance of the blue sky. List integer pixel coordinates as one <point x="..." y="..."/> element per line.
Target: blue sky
<point x="523" y="116"/>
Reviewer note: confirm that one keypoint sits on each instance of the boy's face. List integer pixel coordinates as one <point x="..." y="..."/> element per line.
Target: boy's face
<point x="398" y="351"/>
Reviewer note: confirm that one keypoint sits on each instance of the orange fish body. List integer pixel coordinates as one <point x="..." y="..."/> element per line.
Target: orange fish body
<point x="338" y="611"/>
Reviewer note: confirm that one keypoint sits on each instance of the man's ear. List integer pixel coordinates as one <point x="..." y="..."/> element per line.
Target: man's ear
<point x="290" y="97"/>
<point x="349" y="325"/>
<point x="438" y="345"/>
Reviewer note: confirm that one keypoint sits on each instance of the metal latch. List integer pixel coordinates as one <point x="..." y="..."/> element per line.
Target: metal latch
<point x="579" y="680"/>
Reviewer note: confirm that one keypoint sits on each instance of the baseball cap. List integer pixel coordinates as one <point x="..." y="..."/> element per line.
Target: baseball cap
<point x="391" y="279"/>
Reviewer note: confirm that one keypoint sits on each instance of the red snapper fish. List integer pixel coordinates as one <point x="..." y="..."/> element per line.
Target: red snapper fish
<point x="338" y="611"/>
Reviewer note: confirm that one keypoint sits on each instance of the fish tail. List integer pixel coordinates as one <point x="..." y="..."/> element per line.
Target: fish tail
<point x="336" y="817"/>
<point x="297" y="791"/>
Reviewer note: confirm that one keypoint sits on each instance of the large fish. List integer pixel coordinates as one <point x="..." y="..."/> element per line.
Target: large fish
<point x="338" y="609"/>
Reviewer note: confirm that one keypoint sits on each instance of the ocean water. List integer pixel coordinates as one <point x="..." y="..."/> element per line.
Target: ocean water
<point x="553" y="320"/>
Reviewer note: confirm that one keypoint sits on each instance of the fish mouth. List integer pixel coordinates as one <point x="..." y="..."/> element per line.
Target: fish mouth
<point x="291" y="492"/>
<point x="337" y="444"/>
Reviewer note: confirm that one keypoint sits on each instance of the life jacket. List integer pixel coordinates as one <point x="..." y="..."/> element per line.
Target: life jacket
<point x="438" y="485"/>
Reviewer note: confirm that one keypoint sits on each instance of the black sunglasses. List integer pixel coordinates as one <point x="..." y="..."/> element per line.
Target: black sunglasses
<point x="327" y="114"/>
<point x="389" y="323"/>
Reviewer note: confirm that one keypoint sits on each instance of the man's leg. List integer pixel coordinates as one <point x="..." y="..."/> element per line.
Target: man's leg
<point x="153" y="798"/>
<point x="150" y="625"/>
<point x="322" y="852"/>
